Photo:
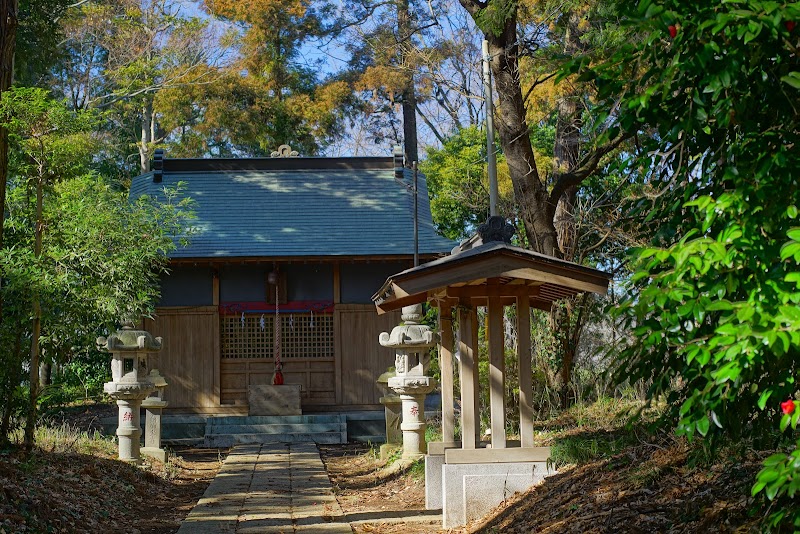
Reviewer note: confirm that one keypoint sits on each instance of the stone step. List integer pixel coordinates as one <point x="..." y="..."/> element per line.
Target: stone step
<point x="228" y="440"/>
<point x="288" y="428"/>
<point x="183" y="442"/>
<point x="375" y="439"/>
<point x="274" y="419"/>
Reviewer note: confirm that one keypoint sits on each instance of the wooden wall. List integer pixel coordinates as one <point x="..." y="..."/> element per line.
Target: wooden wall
<point x="189" y="359"/>
<point x="360" y="358"/>
<point x="201" y="382"/>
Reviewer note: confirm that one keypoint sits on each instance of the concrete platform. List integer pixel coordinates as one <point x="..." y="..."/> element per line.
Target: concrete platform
<point x="269" y="488"/>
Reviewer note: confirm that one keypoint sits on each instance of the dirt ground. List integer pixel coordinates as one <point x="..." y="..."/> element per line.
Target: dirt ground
<point x="372" y="500"/>
<point x="72" y="482"/>
<point x="75" y="484"/>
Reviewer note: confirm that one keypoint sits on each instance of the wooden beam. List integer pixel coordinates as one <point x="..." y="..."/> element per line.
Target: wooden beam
<point x="525" y="377"/>
<point x="446" y="367"/>
<point x="468" y="368"/>
<point x="501" y="290"/>
<point x="558" y="279"/>
<point x="493" y="456"/>
<point x="497" y="373"/>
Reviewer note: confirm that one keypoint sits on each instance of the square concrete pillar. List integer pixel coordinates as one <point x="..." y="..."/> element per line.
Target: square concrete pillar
<point x="433" y="481"/>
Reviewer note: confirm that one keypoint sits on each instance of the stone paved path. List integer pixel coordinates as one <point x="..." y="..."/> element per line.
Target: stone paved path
<point x="269" y="489"/>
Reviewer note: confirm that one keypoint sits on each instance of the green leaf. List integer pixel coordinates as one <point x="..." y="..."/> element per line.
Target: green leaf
<point x="784" y="422"/>
<point x="719" y="305"/>
<point x="793" y="79"/>
<point x="762" y="400"/>
<point x="702" y="426"/>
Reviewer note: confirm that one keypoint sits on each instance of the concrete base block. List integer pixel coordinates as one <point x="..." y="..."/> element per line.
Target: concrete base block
<point x="274" y="400"/>
<point x="482" y="493"/>
<point x="154" y="452"/>
<point x="433" y="481"/>
<point x="488" y="481"/>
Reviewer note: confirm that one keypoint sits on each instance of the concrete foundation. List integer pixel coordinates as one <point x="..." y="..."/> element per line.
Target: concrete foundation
<point x="488" y="483"/>
<point x="433" y="481"/>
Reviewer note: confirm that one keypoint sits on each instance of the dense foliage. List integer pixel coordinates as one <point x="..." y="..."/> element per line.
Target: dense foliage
<point x="78" y="257"/>
<point x="714" y="305"/>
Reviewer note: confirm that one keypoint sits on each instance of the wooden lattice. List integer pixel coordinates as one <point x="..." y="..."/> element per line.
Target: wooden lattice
<point x="302" y="336"/>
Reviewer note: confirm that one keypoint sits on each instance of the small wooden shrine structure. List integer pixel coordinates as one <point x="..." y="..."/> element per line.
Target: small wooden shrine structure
<point x="487" y="271"/>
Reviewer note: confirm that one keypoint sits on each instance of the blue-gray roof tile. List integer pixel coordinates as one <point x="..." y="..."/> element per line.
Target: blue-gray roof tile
<point x="301" y="212"/>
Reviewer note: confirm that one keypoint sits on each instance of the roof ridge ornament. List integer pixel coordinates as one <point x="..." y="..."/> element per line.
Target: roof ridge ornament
<point x="496" y="228"/>
<point x="285" y="151"/>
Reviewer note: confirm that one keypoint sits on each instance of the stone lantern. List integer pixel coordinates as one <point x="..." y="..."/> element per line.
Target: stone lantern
<point x="392" y="413"/>
<point x="129" y="384"/>
<point x="153" y="407"/>
<point x="411" y="342"/>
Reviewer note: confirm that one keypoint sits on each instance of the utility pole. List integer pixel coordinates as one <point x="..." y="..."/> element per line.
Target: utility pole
<point x="490" y="150"/>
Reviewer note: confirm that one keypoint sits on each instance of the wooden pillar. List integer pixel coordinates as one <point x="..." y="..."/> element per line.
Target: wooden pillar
<point x="524" y="359"/>
<point x="497" y="373"/>
<point x="337" y="284"/>
<point x="446" y="367"/>
<point x="467" y="348"/>
<point x="215" y="287"/>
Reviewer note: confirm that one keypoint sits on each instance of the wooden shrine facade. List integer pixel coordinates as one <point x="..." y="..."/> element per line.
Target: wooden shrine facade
<point x="331" y="229"/>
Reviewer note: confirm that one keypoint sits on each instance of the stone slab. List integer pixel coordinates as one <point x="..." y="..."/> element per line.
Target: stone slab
<point x="274" y="400"/>
<point x="506" y="455"/>
<point x="438" y="447"/>
<point x="433" y="481"/>
<point x="453" y="506"/>
<point x="229" y="440"/>
<point x="482" y="493"/>
<point x="154" y="452"/>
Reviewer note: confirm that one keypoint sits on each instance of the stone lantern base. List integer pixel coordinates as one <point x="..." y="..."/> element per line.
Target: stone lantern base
<point x="412" y="391"/>
<point x="129" y="398"/>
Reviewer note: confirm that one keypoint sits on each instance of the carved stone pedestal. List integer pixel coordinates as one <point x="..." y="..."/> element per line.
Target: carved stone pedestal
<point x="412" y="396"/>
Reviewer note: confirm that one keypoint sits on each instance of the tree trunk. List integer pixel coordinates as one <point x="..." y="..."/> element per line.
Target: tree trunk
<point x="45" y="374"/>
<point x="532" y="199"/>
<point x="36" y="328"/>
<point x="8" y="42"/>
<point x="145" y="146"/>
<point x="410" y="144"/>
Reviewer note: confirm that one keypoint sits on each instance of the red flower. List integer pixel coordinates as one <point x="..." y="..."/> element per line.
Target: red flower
<point x="788" y="407"/>
<point x="673" y="30"/>
<point x="790" y="24"/>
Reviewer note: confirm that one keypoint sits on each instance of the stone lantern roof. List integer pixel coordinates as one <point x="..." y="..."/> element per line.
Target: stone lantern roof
<point x="410" y="334"/>
<point x="128" y="339"/>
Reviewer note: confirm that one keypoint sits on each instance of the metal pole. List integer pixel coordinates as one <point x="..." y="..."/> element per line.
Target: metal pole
<point x="416" y="218"/>
<point x="490" y="152"/>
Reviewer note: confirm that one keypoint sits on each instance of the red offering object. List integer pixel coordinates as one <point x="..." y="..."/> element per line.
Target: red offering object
<point x="277" y="380"/>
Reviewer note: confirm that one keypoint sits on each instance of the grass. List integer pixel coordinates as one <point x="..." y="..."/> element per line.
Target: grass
<point x="581" y="449"/>
<point x="66" y="439"/>
<point x="588" y="432"/>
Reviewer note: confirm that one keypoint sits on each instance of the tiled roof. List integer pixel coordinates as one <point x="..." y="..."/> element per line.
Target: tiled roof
<point x="277" y="212"/>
